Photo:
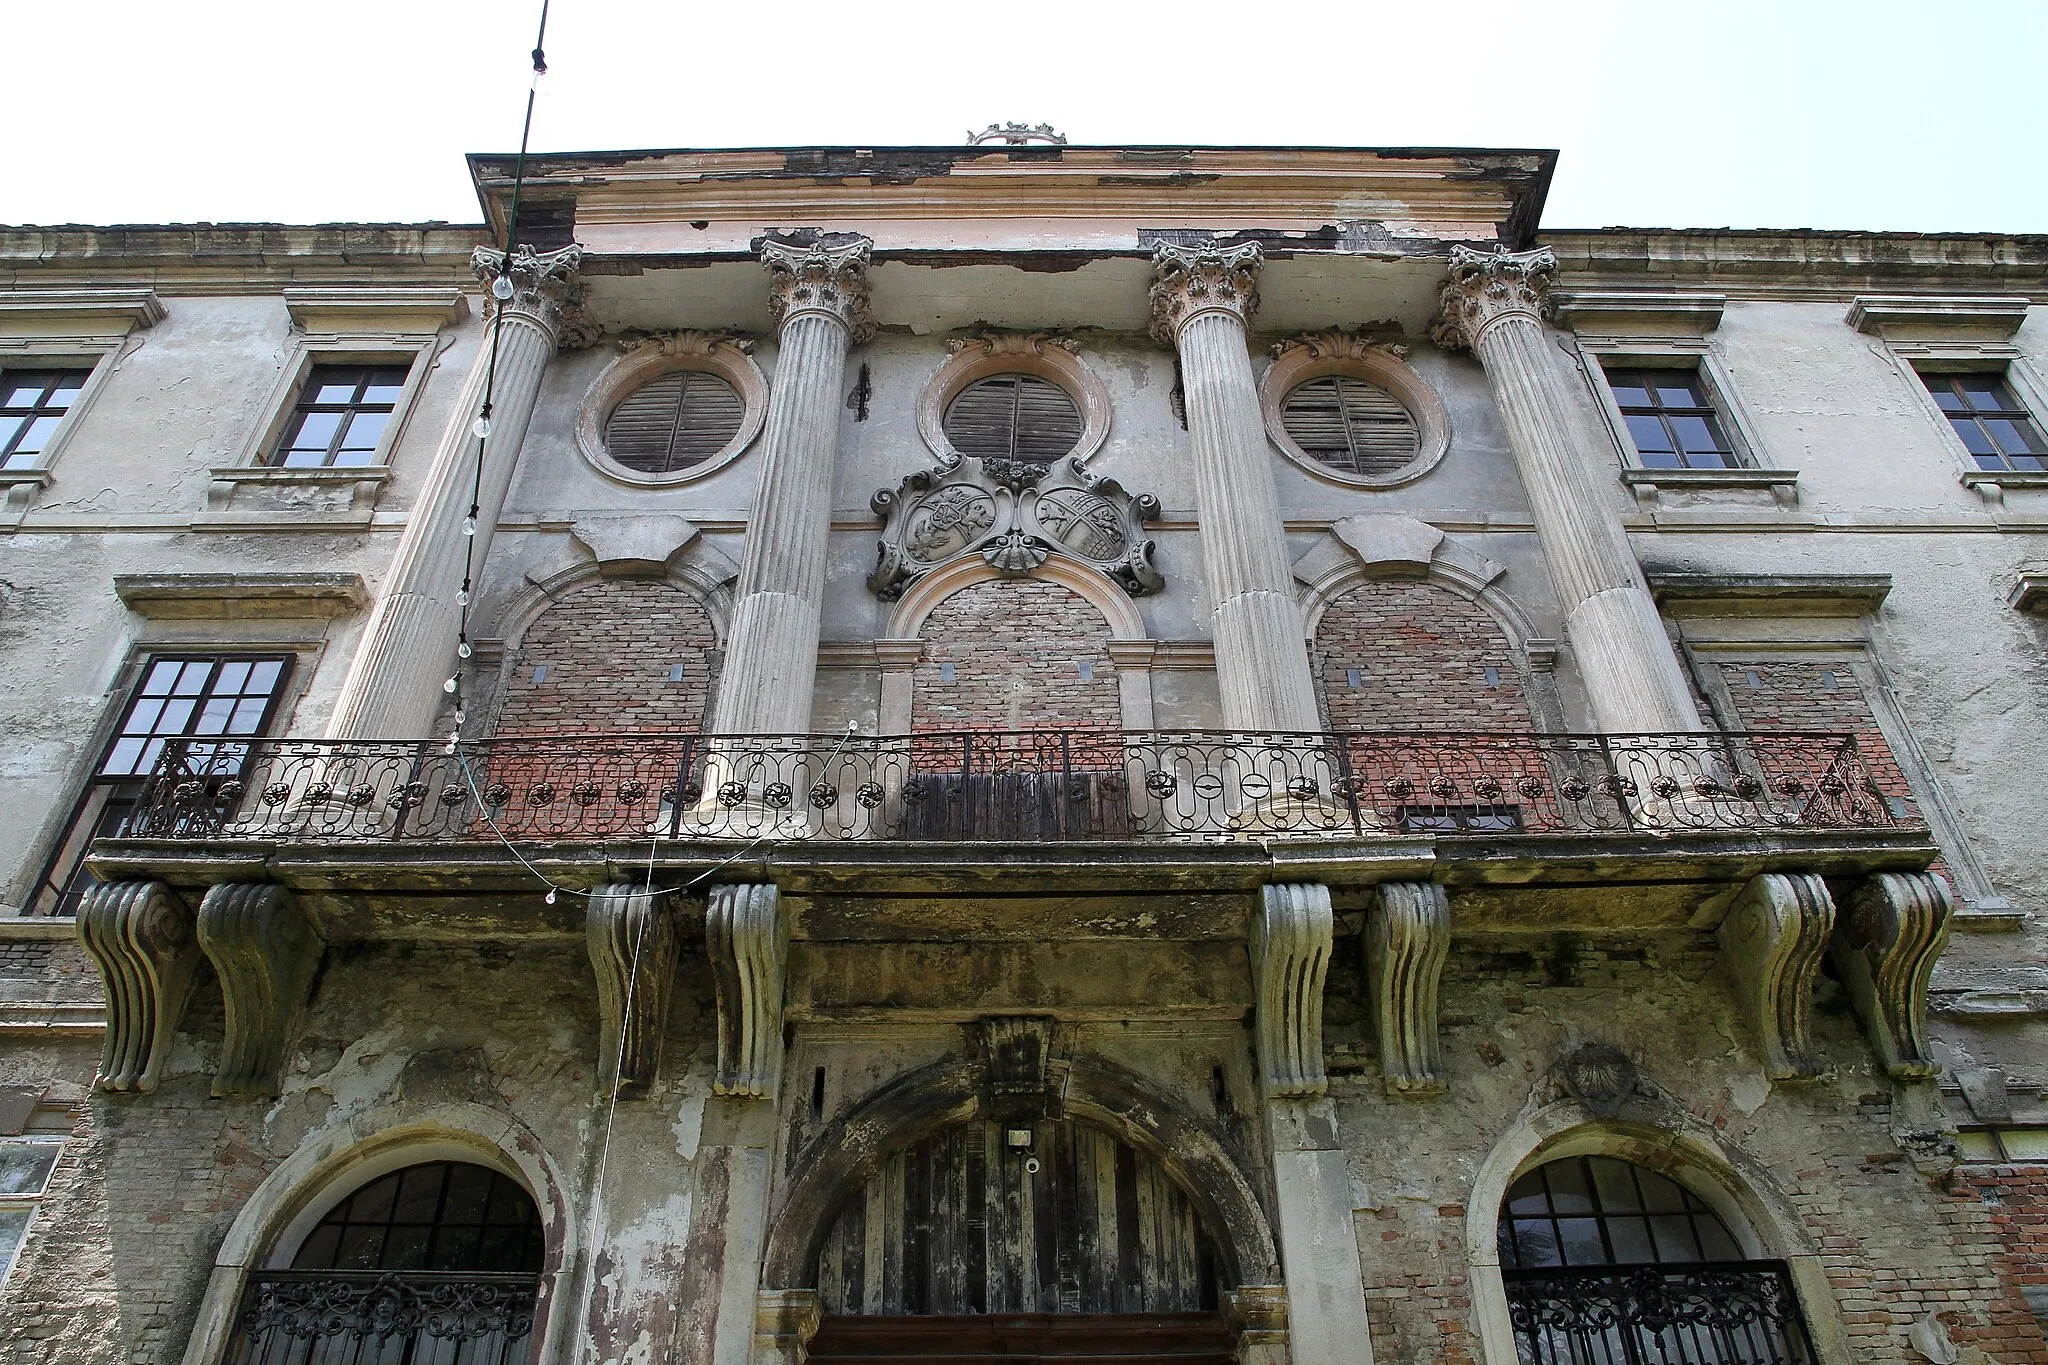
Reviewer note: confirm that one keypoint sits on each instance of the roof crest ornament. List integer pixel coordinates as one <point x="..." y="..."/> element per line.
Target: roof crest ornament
<point x="1016" y="135"/>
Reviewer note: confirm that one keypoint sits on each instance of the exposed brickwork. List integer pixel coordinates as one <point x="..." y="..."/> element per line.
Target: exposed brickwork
<point x="1421" y="653"/>
<point x="608" y="649"/>
<point x="1017" y="648"/>
<point x="61" y="1301"/>
<point x="28" y="959"/>
<point x="2016" y="1198"/>
<point x="1815" y="696"/>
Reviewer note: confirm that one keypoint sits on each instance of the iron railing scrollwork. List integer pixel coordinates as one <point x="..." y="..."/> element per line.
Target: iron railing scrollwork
<point x="1015" y="786"/>
<point x="389" y="1317"/>
<point x="1705" y="1313"/>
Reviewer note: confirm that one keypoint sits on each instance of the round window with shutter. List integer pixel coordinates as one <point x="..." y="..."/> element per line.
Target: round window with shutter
<point x="672" y="409"/>
<point x="1014" y="417"/>
<point x="1352" y="412"/>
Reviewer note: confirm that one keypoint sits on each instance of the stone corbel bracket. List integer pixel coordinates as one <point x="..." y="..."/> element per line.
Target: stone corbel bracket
<point x="265" y="951"/>
<point x="141" y="938"/>
<point x="1884" y="948"/>
<point x="1407" y="939"/>
<point x="1291" y="941"/>
<point x="1772" y="939"/>
<point x="748" y="938"/>
<point x="634" y="947"/>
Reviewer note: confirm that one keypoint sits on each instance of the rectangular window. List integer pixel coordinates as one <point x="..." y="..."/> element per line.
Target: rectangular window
<point x="340" y="417"/>
<point x="1458" y="819"/>
<point x="32" y="403"/>
<point x="205" y="701"/>
<point x="25" y="1167"/>
<point x="1989" y="419"/>
<point x="1671" y="419"/>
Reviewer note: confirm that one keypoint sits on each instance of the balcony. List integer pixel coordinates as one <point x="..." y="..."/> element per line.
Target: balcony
<point x="384" y="1317"/>
<point x="1705" y="1313"/>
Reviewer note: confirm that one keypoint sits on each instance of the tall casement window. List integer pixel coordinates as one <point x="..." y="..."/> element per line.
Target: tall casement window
<point x="1017" y="417"/>
<point x="340" y="416"/>
<point x="210" y="704"/>
<point x="32" y="403"/>
<point x="1989" y="418"/>
<point x="1671" y="418"/>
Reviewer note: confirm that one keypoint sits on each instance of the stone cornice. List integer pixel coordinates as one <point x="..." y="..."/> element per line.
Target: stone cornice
<point x="2030" y="593"/>
<point x="1740" y="594"/>
<point x="545" y="287"/>
<point x="241" y="596"/>
<point x="78" y="312"/>
<point x="1189" y="281"/>
<point x="1799" y="265"/>
<point x="826" y="280"/>
<point x="1649" y="312"/>
<point x="228" y="258"/>
<point x="1486" y="286"/>
<point x="360" y="309"/>
<point x="1908" y="317"/>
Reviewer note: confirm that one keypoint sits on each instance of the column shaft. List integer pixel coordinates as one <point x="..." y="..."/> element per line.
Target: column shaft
<point x="394" y="685"/>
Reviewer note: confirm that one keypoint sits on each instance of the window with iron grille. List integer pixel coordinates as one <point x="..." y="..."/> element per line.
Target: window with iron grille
<point x="1013" y="417"/>
<point x="674" y="421"/>
<point x="32" y="404"/>
<point x="213" y="703"/>
<point x="1351" y="425"/>
<point x="340" y="417"/>
<point x="1671" y="419"/>
<point x="1989" y="418"/>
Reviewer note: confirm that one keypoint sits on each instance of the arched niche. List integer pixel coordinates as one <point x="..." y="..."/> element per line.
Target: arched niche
<point x="1396" y="653"/>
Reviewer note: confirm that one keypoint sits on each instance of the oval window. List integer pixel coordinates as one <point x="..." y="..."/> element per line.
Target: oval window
<point x="1353" y="426"/>
<point x="1013" y="417"/>
<point x="674" y="421"/>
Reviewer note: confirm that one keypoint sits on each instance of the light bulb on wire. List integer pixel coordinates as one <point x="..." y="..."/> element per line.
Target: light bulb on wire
<point x="501" y="288"/>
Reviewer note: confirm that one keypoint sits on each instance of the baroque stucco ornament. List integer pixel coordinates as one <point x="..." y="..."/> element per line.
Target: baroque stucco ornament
<point x="1188" y="281"/>
<point x="1015" y="523"/>
<point x="1485" y="286"/>
<point x="546" y="286"/>
<point x="826" y="279"/>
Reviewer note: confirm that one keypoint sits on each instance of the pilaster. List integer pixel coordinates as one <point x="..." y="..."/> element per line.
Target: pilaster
<point x="141" y="938"/>
<point x="265" y="951"/>
<point x="631" y="933"/>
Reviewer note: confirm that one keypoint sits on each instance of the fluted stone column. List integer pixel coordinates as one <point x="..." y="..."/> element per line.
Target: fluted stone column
<point x="393" y="688"/>
<point x="819" y="297"/>
<point x="1494" y="304"/>
<point x="1201" y="300"/>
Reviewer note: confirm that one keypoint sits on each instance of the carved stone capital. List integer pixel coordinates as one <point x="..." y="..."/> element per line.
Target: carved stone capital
<point x="831" y="281"/>
<point x="1188" y="281"/>
<point x="1486" y="286"/>
<point x="265" y="952"/>
<point x="546" y="287"/>
<point x="1772" y="939"/>
<point x="748" y="938"/>
<point x="1407" y="939"/>
<point x="141" y="938"/>
<point x="631" y="934"/>
<point x="1884" y="948"/>
<point x="1291" y="941"/>
<point x="785" y="1320"/>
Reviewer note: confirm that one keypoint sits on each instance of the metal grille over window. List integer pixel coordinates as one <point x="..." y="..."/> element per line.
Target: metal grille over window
<point x="1670" y="420"/>
<point x="32" y="403"/>
<point x="1351" y="426"/>
<point x="1994" y="425"/>
<point x="673" y="422"/>
<point x="1013" y="417"/>
<point x="435" y="1262"/>
<point x="340" y="417"/>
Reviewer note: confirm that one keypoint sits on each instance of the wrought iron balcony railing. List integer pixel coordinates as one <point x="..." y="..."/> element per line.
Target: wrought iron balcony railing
<point x="1706" y="1313"/>
<point x="1010" y="786"/>
<point x="384" y="1317"/>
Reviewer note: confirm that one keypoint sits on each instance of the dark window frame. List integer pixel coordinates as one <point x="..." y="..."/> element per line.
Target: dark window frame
<point x="326" y="373"/>
<point x="1966" y="417"/>
<point x="27" y="416"/>
<point x="1465" y="819"/>
<point x="382" y="1204"/>
<point x="1627" y="372"/>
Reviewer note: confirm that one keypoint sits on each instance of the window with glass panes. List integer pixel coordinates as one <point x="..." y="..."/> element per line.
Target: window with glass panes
<point x="444" y="1215"/>
<point x="25" y="1167"/>
<point x="1597" y="1210"/>
<point x="1671" y="420"/>
<point x="1994" y="425"/>
<point x="32" y="403"/>
<point x="340" y="416"/>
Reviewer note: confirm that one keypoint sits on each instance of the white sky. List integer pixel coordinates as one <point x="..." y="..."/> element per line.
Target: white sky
<point x="1928" y="116"/>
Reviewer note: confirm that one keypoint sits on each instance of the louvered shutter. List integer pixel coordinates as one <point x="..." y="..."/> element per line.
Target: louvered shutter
<point x="673" y="422"/>
<point x="1013" y="417"/>
<point x="1352" y="426"/>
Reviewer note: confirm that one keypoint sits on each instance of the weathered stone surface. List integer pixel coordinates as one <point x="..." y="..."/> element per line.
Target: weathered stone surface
<point x="141" y="938"/>
<point x="633" y="942"/>
<point x="1885" y="947"/>
<point x="1407" y="938"/>
<point x="748" y="938"/>
<point x="265" y="952"/>
<point x="1773" y="939"/>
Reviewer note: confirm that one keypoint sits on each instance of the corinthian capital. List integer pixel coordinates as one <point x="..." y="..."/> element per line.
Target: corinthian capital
<point x="1488" y="285"/>
<point x="827" y="280"/>
<point x="546" y="287"/>
<point x="1188" y="281"/>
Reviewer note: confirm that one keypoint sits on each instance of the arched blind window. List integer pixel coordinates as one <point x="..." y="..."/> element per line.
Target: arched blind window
<point x="1351" y="426"/>
<point x="1592" y="1211"/>
<point x="674" y="421"/>
<point x="1013" y="417"/>
<point x="443" y="1215"/>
